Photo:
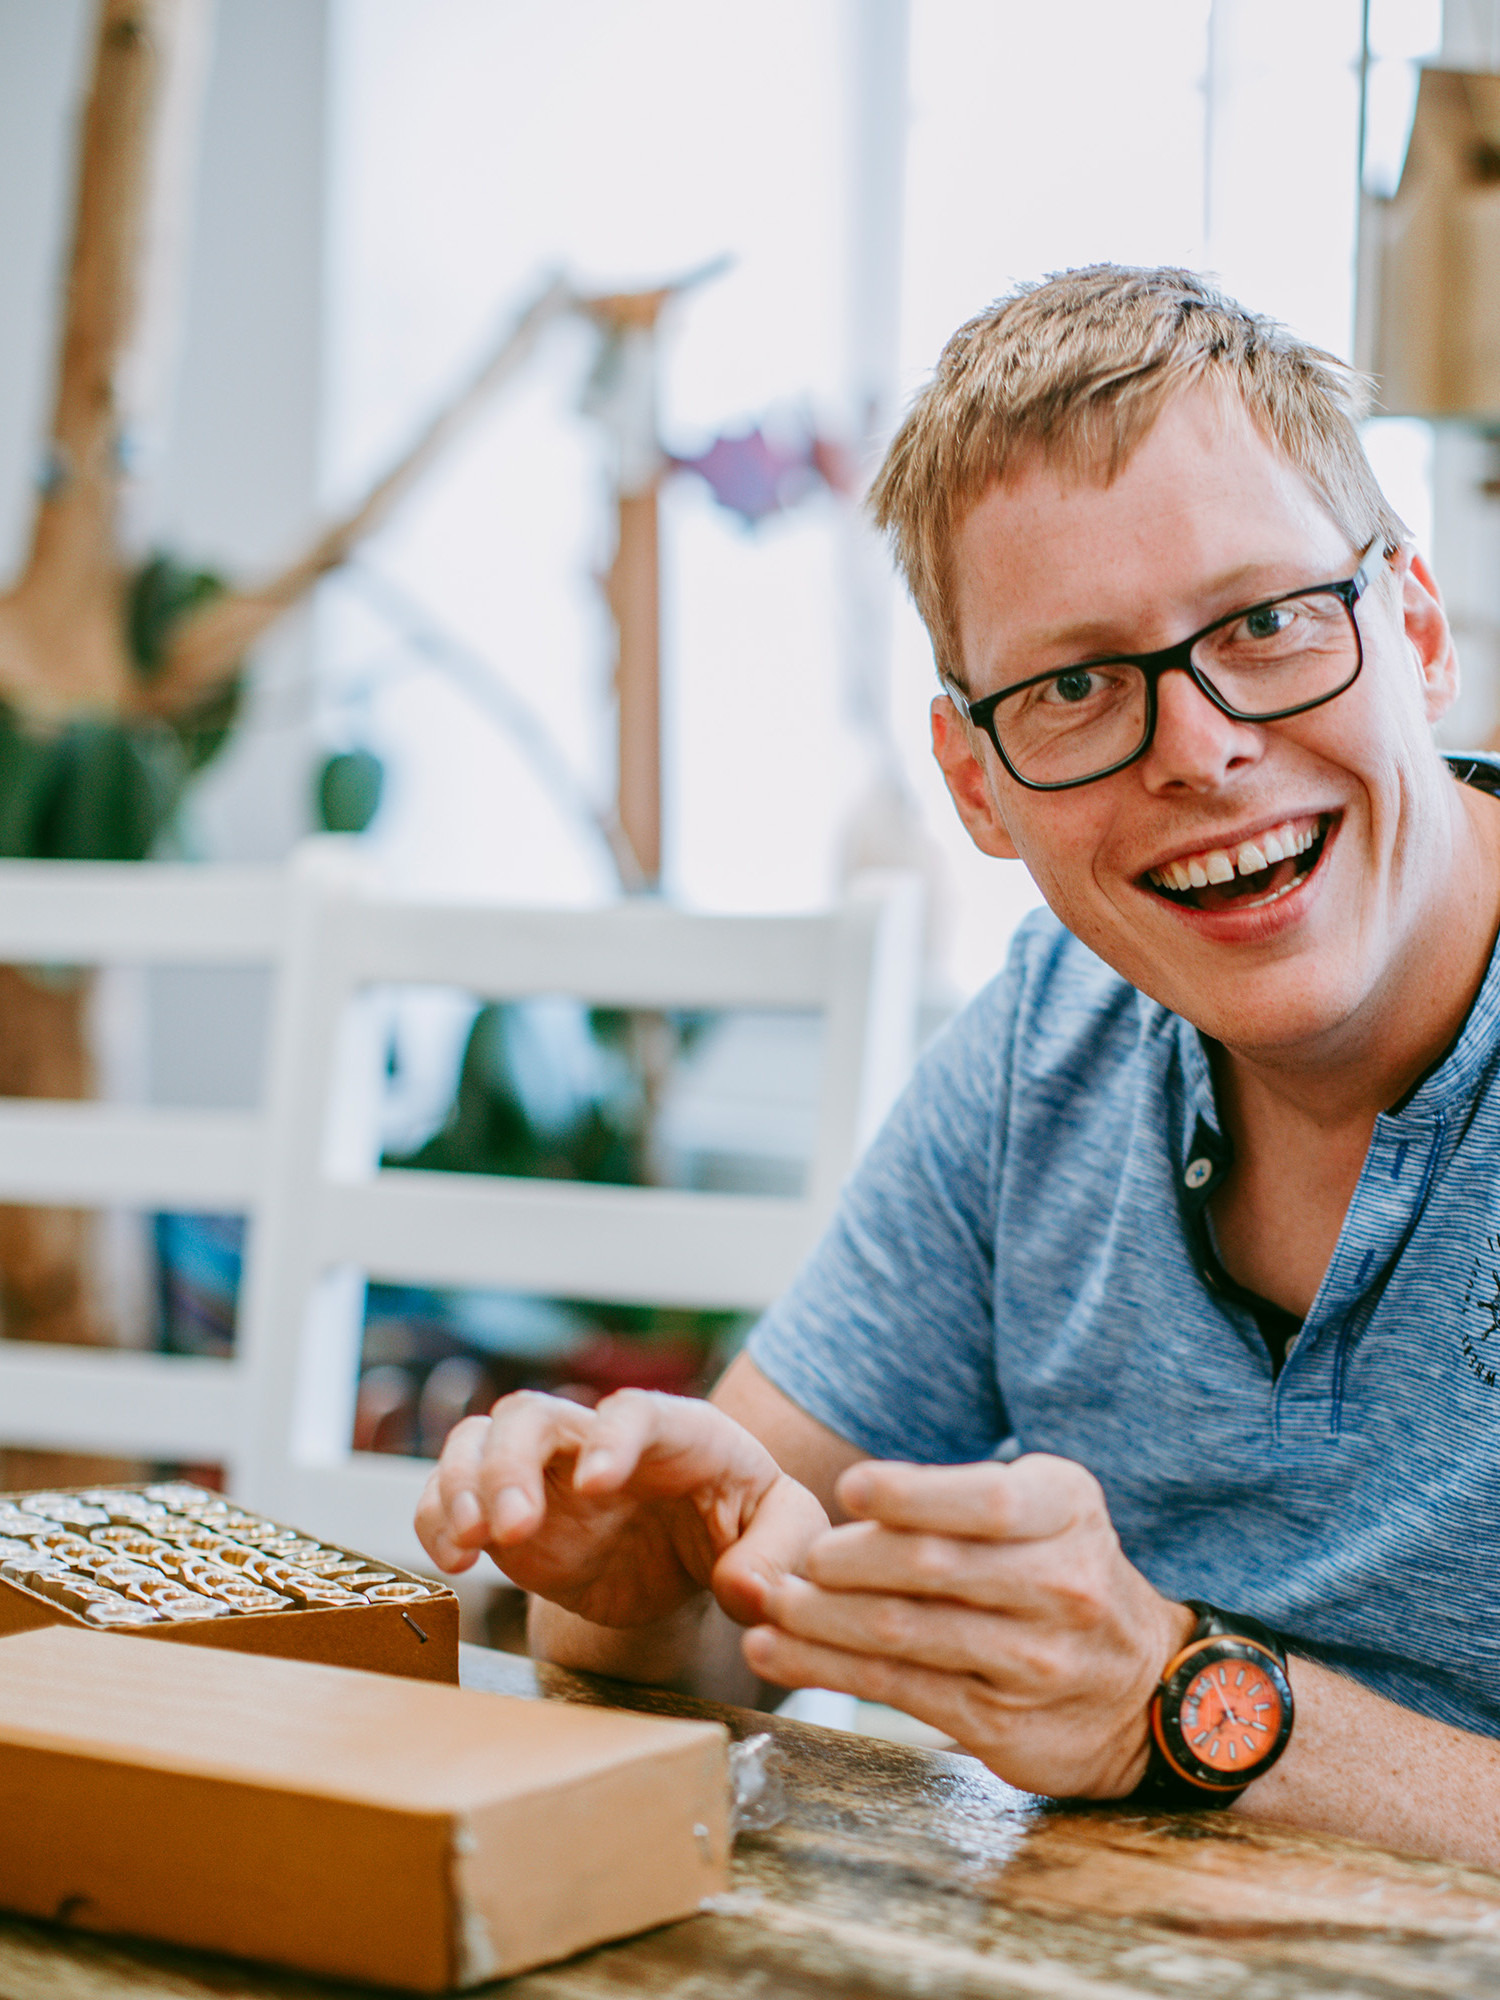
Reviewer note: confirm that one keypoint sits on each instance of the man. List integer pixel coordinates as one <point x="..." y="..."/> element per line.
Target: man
<point x="1191" y="1217"/>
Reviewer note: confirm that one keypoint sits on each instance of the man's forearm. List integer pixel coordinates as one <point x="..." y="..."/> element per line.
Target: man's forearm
<point x="658" y="1655"/>
<point x="1360" y="1766"/>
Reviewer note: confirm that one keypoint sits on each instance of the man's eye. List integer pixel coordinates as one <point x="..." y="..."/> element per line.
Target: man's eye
<point x="1077" y="684"/>
<point x="1269" y="621"/>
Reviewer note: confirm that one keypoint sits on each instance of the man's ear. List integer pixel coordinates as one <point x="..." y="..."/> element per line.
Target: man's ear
<point x="1428" y="632"/>
<point x="968" y="781"/>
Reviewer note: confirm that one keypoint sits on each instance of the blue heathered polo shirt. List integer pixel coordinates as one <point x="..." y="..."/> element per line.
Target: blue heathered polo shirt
<point x="1019" y="1256"/>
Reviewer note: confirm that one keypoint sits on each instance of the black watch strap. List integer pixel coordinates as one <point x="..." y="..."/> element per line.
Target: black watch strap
<point x="1167" y="1788"/>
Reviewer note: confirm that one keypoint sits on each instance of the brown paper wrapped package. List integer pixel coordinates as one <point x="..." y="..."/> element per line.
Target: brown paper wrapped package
<point x="351" y="1824"/>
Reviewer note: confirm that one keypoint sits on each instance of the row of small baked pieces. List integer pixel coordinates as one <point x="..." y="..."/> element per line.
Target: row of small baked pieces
<point x="59" y="1561"/>
<point x="153" y="1565"/>
<point x="192" y="1516"/>
<point x="290" y="1562"/>
<point x="18" y="1525"/>
<point x="320" y="1577"/>
<point x="131" y="1521"/>
<point x="195" y="1522"/>
<point x="262" y="1579"/>
<point x="98" y="1506"/>
<point x="169" y="1505"/>
<point x="244" y="1579"/>
<point x="156" y="1600"/>
<point x="186" y="1503"/>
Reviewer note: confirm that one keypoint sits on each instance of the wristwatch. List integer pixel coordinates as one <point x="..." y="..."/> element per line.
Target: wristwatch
<point x="1221" y="1714"/>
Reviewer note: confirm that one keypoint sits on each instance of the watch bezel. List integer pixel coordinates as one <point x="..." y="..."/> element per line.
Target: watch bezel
<point x="1166" y="1711"/>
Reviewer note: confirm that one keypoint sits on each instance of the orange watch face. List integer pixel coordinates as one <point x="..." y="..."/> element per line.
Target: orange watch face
<point x="1230" y="1715"/>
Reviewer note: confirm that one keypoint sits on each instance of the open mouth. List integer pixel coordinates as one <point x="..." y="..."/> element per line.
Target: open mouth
<point x="1249" y="875"/>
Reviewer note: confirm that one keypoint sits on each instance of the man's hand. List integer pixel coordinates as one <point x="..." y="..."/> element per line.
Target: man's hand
<point x="993" y="1601"/>
<point x="622" y="1514"/>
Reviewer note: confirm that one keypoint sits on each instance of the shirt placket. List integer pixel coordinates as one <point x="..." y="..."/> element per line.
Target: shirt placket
<point x="1387" y="1204"/>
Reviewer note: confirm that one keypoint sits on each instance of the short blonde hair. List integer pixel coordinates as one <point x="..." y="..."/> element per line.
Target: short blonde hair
<point x="1077" y="368"/>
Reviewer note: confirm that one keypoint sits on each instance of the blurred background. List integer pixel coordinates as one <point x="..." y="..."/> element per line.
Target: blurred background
<point x="361" y="196"/>
<point x="377" y="183"/>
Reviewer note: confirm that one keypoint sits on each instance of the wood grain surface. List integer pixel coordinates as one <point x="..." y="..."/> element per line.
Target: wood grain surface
<point x="901" y="1872"/>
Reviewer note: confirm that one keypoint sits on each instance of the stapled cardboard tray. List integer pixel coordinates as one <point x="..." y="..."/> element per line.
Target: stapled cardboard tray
<point x="416" y="1637"/>
<point x="354" y="1825"/>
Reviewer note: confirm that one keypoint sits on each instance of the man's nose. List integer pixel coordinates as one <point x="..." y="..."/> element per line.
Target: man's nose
<point x="1196" y="747"/>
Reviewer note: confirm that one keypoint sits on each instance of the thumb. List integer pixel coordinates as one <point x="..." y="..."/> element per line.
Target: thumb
<point x="787" y="1522"/>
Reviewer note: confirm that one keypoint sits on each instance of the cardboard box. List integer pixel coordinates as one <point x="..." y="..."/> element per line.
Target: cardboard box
<point x="417" y="1637"/>
<point x="1428" y="301"/>
<point x="352" y="1825"/>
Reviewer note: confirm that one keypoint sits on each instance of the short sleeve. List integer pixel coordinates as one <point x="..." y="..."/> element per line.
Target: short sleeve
<point x="887" y="1334"/>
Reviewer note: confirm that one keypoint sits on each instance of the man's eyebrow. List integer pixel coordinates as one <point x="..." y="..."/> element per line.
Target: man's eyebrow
<point x="1231" y="590"/>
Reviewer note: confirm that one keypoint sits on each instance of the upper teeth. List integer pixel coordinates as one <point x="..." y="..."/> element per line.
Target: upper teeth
<point x="1222" y="864"/>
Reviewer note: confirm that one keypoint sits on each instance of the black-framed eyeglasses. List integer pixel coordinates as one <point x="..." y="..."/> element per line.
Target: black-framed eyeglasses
<point x="1280" y="657"/>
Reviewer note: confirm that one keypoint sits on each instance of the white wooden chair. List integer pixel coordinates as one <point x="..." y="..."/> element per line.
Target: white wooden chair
<point x="114" y="1401"/>
<point x="332" y="1217"/>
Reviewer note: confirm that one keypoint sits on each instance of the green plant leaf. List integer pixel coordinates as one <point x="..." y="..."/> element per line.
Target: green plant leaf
<point x="115" y="790"/>
<point x="203" y="730"/>
<point x="162" y="592"/>
<point x="350" y="785"/>
<point x="30" y="770"/>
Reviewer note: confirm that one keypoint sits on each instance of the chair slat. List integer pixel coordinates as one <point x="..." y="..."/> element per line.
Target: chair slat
<point x="86" y="913"/>
<point x="171" y="1406"/>
<point x="625" y="956"/>
<point x="110" y="1155"/>
<point x="635" y="1245"/>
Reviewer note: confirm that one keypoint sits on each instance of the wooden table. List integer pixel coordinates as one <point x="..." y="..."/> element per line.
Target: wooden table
<point x="910" y="1872"/>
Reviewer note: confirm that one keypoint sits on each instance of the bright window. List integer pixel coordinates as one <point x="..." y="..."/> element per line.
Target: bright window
<point x="481" y="143"/>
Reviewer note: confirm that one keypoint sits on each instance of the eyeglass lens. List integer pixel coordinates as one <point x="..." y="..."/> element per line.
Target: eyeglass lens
<point x="1085" y="720"/>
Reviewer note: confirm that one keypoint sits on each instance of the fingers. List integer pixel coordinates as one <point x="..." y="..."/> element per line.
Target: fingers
<point x="1034" y="1497"/>
<point x="526" y="1433"/>
<point x="787" y="1522"/>
<point x="951" y="1638"/>
<point x="435" y="1533"/>
<point x="1018" y="1577"/>
<point x="490" y="1488"/>
<point x="943" y="1700"/>
<point x="671" y="1445"/>
<point x="489" y="1482"/>
<point x="449" y="1521"/>
<point x="625" y="1426"/>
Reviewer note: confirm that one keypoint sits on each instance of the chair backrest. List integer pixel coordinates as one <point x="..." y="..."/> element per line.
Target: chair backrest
<point x="333" y="1216"/>
<point x="109" y="1400"/>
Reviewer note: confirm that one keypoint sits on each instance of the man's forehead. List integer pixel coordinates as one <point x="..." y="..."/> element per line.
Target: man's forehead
<point x="1205" y="510"/>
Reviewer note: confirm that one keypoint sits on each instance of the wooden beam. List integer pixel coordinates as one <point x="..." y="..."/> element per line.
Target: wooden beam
<point x="634" y="592"/>
<point x="62" y="643"/>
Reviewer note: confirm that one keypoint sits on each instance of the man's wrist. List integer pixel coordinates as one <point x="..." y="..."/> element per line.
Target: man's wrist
<point x="1174" y="1629"/>
<point x="656" y="1655"/>
<point x="1221" y="1714"/>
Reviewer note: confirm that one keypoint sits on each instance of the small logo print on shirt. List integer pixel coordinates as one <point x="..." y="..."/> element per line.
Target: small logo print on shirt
<point x="1481" y="1334"/>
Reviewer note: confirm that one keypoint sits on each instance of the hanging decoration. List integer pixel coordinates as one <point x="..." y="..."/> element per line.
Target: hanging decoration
<point x="770" y="468"/>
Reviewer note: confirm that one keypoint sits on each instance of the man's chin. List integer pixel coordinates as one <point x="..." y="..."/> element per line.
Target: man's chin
<point x="1271" y="1016"/>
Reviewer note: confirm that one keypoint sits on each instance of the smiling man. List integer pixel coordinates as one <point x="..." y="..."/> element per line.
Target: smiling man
<point x="1136" y="1421"/>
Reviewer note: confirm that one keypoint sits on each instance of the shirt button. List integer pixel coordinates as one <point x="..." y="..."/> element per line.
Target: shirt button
<point x="1197" y="1172"/>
